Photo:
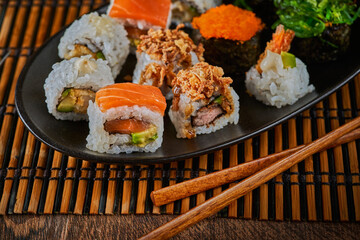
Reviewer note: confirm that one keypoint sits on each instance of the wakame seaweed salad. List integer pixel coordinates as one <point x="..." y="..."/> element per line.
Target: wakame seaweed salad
<point x="322" y="27"/>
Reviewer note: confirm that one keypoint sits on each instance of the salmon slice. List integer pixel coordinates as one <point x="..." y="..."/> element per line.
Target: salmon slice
<point x="125" y="126"/>
<point x="153" y="11"/>
<point x="130" y="94"/>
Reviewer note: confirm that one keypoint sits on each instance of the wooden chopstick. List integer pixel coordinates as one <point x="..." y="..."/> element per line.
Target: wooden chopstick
<point x="228" y="175"/>
<point x="215" y="204"/>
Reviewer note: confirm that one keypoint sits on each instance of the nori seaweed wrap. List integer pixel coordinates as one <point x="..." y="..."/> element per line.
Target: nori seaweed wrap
<point x="232" y="56"/>
<point x="333" y="42"/>
<point x="231" y="37"/>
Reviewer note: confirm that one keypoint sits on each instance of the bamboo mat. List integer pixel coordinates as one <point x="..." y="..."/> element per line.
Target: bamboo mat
<point x="36" y="179"/>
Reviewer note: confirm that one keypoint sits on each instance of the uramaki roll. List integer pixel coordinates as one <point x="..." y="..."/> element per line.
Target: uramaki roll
<point x="126" y="117"/>
<point x="72" y="83"/>
<point x="203" y="101"/>
<point x="161" y="54"/>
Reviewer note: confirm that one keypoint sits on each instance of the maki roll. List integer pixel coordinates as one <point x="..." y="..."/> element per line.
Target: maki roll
<point x="98" y="36"/>
<point x="203" y="101"/>
<point x="138" y="16"/>
<point x="231" y="37"/>
<point x="126" y="117"/>
<point x="322" y="28"/>
<point x="279" y="78"/>
<point x="185" y="10"/>
<point x="72" y="83"/>
<point x="161" y="54"/>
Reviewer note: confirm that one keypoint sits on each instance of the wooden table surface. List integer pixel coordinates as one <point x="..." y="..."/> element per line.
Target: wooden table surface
<point x="134" y="226"/>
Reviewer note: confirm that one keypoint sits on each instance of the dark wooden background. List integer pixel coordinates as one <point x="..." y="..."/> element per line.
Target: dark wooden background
<point x="134" y="226"/>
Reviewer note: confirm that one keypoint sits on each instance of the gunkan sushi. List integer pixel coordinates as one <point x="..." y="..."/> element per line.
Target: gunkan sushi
<point x="231" y="37"/>
<point x="161" y="54"/>
<point x="126" y="117"/>
<point x="98" y="36"/>
<point x="72" y="83"/>
<point x="203" y="101"/>
<point x="279" y="78"/>
<point x="322" y="28"/>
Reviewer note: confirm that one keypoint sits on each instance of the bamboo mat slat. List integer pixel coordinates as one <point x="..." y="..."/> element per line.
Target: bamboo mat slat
<point x="39" y="180"/>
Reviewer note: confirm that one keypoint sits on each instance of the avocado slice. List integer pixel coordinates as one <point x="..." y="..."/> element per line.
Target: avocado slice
<point x="288" y="60"/>
<point x="143" y="138"/>
<point x="67" y="104"/>
<point x="99" y="54"/>
<point x="219" y="100"/>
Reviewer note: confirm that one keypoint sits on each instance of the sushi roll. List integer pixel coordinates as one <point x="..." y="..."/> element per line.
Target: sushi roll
<point x="203" y="101"/>
<point x="322" y="28"/>
<point x="138" y="16"/>
<point x="231" y="37"/>
<point x="161" y="54"/>
<point x="126" y="117"/>
<point x="98" y="36"/>
<point x="72" y="83"/>
<point x="185" y="10"/>
<point x="279" y="78"/>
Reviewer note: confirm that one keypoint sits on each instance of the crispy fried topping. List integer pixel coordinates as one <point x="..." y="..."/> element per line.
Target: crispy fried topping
<point x="201" y="81"/>
<point x="169" y="46"/>
<point x="157" y="74"/>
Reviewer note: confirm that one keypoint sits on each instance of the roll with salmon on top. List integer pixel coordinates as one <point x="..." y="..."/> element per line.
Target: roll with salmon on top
<point x="160" y="56"/>
<point x="203" y="101"/>
<point x="138" y="16"/>
<point x="126" y="117"/>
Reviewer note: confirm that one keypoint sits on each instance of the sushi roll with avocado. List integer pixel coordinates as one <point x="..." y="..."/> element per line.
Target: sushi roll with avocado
<point x="138" y="16"/>
<point x="99" y="36"/>
<point x="160" y="56"/>
<point x="322" y="28"/>
<point x="279" y="78"/>
<point x="203" y="101"/>
<point x="72" y="83"/>
<point x="185" y="10"/>
<point x="126" y="117"/>
<point x="231" y="37"/>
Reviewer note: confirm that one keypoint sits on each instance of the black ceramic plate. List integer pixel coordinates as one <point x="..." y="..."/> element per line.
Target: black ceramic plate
<point x="69" y="137"/>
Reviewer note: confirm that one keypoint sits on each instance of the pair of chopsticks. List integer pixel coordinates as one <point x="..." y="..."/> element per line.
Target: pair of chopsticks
<point x="259" y="171"/>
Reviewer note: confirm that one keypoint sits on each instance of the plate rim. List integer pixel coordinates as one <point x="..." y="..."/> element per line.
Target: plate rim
<point x="134" y="161"/>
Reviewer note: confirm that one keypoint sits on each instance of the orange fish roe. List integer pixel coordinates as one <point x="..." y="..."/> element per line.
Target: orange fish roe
<point x="229" y="22"/>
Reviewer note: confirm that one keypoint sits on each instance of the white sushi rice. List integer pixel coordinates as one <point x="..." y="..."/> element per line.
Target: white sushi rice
<point x="144" y="59"/>
<point x="98" y="33"/>
<point x="180" y="122"/>
<point x="84" y="73"/>
<point x="278" y="86"/>
<point x="101" y="141"/>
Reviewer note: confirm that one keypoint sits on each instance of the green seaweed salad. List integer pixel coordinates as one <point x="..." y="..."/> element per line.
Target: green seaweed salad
<point x="309" y="18"/>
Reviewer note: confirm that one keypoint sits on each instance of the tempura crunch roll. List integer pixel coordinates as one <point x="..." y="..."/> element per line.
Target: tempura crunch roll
<point x="161" y="55"/>
<point x="126" y="117"/>
<point x="203" y="101"/>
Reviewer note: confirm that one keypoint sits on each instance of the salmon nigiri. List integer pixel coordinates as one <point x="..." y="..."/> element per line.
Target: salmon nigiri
<point x="130" y="94"/>
<point x="126" y="117"/>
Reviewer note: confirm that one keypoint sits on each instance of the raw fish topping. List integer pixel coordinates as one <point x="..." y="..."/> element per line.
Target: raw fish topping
<point x="130" y="94"/>
<point x="153" y="11"/>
